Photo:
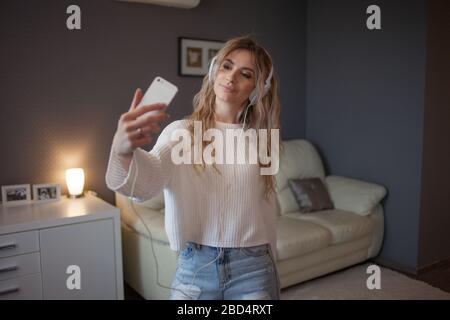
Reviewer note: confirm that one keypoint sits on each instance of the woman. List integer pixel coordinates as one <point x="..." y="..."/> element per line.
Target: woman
<point x="220" y="215"/>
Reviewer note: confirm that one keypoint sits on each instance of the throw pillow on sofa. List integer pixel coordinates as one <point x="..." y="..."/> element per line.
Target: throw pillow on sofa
<point x="311" y="194"/>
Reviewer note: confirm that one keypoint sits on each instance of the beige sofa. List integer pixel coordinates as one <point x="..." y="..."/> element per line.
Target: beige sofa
<point x="308" y="245"/>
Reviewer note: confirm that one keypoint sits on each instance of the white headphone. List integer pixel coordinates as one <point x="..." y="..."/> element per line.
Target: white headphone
<point x="254" y="95"/>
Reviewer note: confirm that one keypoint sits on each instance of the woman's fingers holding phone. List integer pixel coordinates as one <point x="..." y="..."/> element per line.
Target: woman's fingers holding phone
<point x="153" y="108"/>
<point x="134" y="112"/>
<point x="147" y="131"/>
<point x="136" y="99"/>
<point x="135" y="128"/>
<point x="147" y="120"/>
<point x="140" y="132"/>
<point x="143" y="135"/>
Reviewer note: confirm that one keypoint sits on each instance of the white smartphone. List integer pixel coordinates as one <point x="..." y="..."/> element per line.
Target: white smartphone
<point x="160" y="91"/>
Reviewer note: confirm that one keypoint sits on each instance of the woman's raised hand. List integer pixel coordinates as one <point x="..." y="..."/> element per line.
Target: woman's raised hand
<point x="135" y="128"/>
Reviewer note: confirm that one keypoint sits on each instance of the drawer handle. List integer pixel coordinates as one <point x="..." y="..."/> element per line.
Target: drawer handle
<point x="9" y="290"/>
<point x="7" y="269"/>
<point x="8" y="246"/>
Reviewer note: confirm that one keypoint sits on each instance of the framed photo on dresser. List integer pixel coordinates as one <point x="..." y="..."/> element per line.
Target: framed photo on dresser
<point x="16" y="194"/>
<point x="46" y="192"/>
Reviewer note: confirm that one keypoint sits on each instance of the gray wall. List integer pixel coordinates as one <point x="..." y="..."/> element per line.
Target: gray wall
<point x="365" y="101"/>
<point x="63" y="91"/>
<point x="434" y="244"/>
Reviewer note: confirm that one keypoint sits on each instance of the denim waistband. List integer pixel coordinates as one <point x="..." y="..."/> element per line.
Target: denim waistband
<point x="205" y="249"/>
<point x="201" y="246"/>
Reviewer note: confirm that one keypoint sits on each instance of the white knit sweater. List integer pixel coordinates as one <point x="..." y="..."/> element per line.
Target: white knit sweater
<point x="227" y="210"/>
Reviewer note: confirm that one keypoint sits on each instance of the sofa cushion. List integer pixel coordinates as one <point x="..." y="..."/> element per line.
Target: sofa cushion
<point x="155" y="203"/>
<point x="286" y="201"/>
<point x="354" y="195"/>
<point x="298" y="159"/>
<point x="311" y="194"/>
<point x="296" y="237"/>
<point x="343" y="225"/>
<point x="153" y="219"/>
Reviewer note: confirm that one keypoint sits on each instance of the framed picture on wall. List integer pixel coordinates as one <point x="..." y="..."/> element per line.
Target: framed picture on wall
<point x="16" y="194"/>
<point x="46" y="192"/>
<point x="195" y="55"/>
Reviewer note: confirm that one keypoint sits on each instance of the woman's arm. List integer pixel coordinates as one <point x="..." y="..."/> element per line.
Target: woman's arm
<point x="135" y="129"/>
<point x="152" y="170"/>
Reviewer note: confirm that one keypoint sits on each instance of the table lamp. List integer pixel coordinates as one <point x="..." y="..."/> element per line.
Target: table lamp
<point x="75" y="182"/>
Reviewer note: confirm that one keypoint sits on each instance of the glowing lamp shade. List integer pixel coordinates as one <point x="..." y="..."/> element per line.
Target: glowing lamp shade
<point x="75" y="182"/>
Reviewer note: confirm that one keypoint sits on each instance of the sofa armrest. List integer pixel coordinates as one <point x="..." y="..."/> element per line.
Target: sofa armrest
<point x="354" y="195"/>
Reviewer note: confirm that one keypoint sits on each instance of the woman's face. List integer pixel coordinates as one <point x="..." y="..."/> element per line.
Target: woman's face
<point x="236" y="77"/>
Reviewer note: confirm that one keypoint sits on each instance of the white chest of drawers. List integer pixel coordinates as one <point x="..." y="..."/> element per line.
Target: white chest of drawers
<point x="41" y="243"/>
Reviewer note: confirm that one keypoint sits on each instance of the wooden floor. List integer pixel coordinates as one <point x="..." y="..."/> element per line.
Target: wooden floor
<point x="439" y="278"/>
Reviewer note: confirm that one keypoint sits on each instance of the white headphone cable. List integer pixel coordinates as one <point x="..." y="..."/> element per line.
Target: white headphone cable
<point x="150" y="235"/>
<point x="151" y="240"/>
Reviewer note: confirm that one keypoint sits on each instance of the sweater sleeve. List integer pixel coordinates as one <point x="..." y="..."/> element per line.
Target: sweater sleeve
<point x="151" y="171"/>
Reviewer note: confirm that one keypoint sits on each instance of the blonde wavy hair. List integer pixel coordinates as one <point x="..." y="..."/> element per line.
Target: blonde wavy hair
<point x="264" y="114"/>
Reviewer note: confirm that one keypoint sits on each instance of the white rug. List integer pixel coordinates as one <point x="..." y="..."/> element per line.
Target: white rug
<point x="352" y="284"/>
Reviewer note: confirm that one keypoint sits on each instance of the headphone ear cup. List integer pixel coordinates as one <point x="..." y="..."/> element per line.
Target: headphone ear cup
<point x="254" y="95"/>
<point x="267" y="84"/>
<point x="266" y="88"/>
<point x="212" y="69"/>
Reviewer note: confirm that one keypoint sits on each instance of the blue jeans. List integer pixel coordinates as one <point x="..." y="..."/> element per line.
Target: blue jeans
<point x="210" y="273"/>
